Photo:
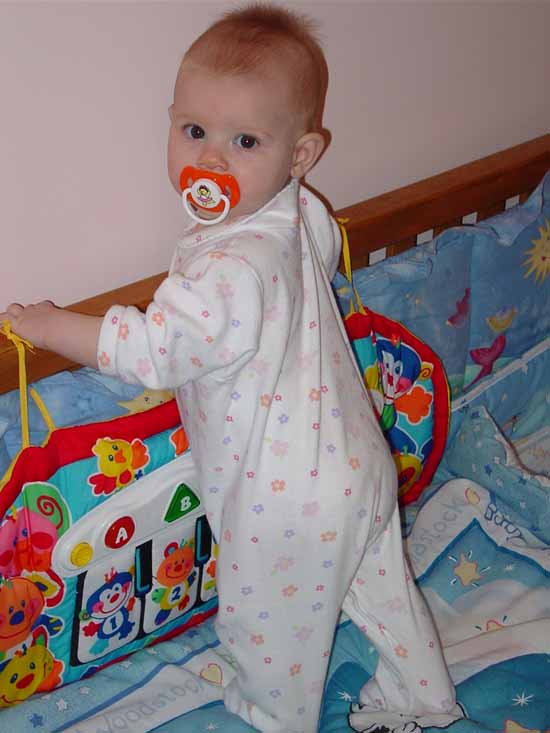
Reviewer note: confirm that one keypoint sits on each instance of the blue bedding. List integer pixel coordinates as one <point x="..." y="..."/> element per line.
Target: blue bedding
<point x="483" y="565"/>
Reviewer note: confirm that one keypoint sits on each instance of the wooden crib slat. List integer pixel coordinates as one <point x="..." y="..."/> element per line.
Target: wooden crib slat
<point x="488" y="211"/>
<point x="398" y="247"/>
<point x="453" y="223"/>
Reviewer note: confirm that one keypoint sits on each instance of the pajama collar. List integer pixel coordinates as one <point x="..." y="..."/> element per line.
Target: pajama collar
<point x="280" y="211"/>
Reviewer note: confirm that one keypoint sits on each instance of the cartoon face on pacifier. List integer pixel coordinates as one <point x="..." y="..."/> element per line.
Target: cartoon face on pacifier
<point x="204" y="192"/>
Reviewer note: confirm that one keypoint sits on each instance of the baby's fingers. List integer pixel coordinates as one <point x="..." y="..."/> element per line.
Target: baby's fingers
<point x="12" y="314"/>
<point x="14" y="310"/>
<point x="30" y="322"/>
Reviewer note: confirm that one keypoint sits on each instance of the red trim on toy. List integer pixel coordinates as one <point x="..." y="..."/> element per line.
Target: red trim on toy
<point x="66" y="445"/>
<point x="195" y="620"/>
<point x="359" y="325"/>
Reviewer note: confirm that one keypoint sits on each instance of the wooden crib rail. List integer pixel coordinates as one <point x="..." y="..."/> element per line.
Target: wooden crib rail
<point x="395" y="219"/>
<point x="392" y="220"/>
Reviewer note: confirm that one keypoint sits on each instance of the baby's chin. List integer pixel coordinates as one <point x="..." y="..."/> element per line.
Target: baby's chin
<point x="204" y="213"/>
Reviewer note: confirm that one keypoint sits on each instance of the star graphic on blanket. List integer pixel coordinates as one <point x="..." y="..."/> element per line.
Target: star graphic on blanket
<point x="61" y="704"/>
<point x="343" y="695"/>
<point x="466" y="571"/>
<point x="212" y="726"/>
<point x="37" y="721"/>
<point x="147" y="399"/>
<point x="522" y="699"/>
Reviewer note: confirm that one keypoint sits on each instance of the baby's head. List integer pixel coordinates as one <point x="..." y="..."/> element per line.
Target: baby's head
<point x="248" y="102"/>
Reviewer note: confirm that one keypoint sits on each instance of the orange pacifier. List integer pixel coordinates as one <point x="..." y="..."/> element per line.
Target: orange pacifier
<point x="211" y="192"/>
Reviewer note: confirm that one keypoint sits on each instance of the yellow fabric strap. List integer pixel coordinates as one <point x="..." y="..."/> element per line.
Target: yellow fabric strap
<point x="39" y="402"/>
<point x="345" y="246"/>
<point x="347" y="265"/>
<point x="20" y="344"/>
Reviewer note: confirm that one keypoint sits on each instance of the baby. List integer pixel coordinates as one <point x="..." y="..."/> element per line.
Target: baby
<point x="295" y="474"/>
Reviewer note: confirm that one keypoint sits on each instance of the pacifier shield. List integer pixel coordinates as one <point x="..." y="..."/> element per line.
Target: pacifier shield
<point x="207" y="189"/>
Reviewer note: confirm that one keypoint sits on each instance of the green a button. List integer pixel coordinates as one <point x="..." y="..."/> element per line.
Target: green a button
<point x="183" y="501"/>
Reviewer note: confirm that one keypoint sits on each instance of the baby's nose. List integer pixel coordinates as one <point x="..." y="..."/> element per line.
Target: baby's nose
<point x="212" y="158"/>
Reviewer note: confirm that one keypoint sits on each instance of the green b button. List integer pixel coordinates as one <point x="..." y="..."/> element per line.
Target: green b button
<point x="183" y="501"/>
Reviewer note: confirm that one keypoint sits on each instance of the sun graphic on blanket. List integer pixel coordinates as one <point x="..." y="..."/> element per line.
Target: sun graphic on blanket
<point x="492" y="625"/>
<point x="538" y="257"/>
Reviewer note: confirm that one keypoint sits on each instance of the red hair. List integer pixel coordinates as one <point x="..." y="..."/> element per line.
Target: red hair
<point x="260" y="35"/>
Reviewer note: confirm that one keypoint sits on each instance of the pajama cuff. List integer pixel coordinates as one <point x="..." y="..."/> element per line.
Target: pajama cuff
<point x="107" y="342"/>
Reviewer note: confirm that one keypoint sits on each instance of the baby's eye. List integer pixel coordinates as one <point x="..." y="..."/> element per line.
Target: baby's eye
<point x="246" y="141"/>
<point x="194" y="131"/>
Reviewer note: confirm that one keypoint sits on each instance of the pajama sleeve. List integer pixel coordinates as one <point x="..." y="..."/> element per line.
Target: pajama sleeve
<point x="205" y="321"/>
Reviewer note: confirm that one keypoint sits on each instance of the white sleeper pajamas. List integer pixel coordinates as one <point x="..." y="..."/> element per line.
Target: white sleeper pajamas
<point x="295" y="474"/>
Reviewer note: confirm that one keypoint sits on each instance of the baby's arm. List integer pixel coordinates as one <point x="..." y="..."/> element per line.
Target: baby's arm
<point x="73" y="335"/>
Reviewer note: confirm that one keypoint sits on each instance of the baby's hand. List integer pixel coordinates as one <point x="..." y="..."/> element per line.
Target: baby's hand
<point x="73" y="335"/>
<point x="31" y="322"/>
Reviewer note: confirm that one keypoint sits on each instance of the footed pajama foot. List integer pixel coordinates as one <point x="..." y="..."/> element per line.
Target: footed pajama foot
<point x="364" y="719"/>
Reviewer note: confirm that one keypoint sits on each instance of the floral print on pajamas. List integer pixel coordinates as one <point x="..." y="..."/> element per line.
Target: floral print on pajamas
<point x="295" y="474"/>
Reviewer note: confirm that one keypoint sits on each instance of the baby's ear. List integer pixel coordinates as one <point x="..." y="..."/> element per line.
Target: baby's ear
<point x="307" y="151"/>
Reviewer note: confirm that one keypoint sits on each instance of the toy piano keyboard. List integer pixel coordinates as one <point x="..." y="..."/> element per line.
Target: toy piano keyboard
<point x="141" y="561"/>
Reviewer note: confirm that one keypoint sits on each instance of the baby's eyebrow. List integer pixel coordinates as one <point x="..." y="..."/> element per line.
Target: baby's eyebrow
<point x="182" y="115"/>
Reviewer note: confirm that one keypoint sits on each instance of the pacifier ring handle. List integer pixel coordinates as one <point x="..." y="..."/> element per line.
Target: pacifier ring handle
<point x="193" y="214"/>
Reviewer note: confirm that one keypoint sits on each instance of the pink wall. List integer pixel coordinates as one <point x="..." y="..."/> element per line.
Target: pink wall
<point x="85" y="87"/>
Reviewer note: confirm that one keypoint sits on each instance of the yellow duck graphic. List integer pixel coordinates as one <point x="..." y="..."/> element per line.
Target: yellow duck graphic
<point x="118" y="462"/>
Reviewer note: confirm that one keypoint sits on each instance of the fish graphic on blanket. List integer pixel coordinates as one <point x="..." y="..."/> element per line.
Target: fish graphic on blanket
<point x="460" y="316"/>
<point x="119" y="463"/>
<point x="486" y="357"/>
